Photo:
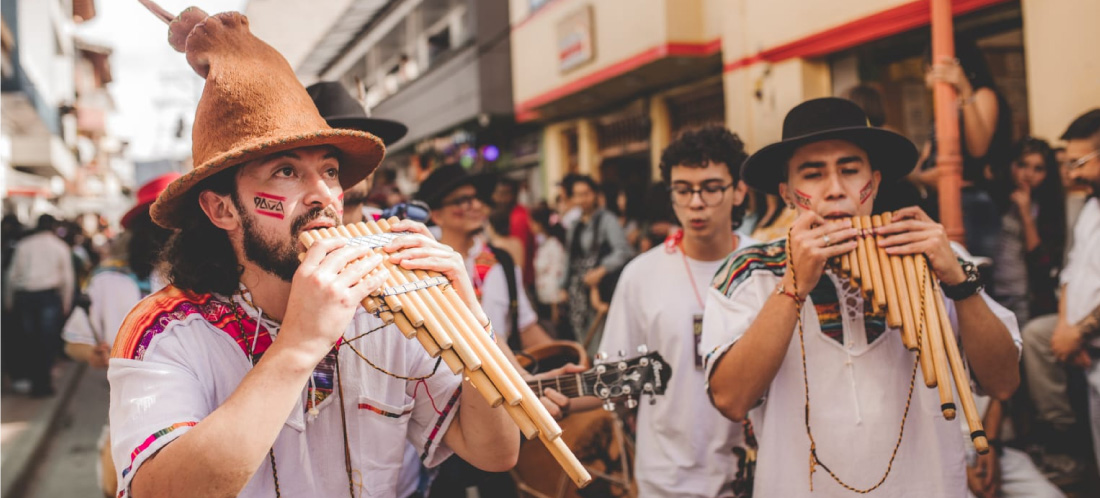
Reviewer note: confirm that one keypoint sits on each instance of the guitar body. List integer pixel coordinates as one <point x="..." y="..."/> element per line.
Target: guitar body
<point x="600" y="443"/>
<point x="551" y="355"/>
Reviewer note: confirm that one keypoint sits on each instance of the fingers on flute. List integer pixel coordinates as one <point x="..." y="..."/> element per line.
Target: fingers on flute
<point x="832" y="251"/>
<point x="367" y="286"/>
<point x="911" y="212"/>
<point x="317" y="252"/>
<point x="410" y="226"/>
<point x="357" y="270"/>
<point x="335" y="261"/>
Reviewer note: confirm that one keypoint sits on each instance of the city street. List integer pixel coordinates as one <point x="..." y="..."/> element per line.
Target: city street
<point x="68" y="465"/>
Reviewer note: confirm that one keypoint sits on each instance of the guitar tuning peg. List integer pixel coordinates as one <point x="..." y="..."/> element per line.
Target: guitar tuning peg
<point x="601" y="356"/>
<point x="652" y="400"/>
<point x="631" y="403"/>
<point x="643" y="349"/>
<point x="609" y="405"/>
<point x="622" y="354"/>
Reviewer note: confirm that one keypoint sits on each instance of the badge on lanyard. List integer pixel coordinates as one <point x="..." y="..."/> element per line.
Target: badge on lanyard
<point x="697" y="331"/>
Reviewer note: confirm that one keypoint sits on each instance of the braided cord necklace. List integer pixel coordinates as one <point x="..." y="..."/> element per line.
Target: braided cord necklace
<point x="815" y="461"/>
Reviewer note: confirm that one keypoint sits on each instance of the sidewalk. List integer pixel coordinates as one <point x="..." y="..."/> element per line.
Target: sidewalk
<point x="26" y="425"/>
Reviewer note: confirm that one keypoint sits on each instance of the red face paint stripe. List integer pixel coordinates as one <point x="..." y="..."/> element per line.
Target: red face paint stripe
<point x="802" y="199"/>
<point x="865" y="192"/>
<point x="270" y="196"/>
<point x="268" y="213"/>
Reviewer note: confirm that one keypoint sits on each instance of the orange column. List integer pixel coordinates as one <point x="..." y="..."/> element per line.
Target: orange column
<point x="948" y="157"/>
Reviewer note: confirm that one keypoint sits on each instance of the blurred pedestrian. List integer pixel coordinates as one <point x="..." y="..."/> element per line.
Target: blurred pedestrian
<point x="116" y="285"/>
<point x="43" y="280"/>
<point x="513" y="215"/>
<point x="597" y="252"/>
<point x="550" y="262"/>
<point x="985" y="137"/>
<point x="1029" y="253"/>
<point x="14" y="361"/>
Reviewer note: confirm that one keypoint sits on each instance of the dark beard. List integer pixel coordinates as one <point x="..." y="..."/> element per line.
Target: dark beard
<point x="277" y="259"/>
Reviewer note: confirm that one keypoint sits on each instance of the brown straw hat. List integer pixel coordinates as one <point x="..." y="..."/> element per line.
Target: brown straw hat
<point x="252" y="106"/>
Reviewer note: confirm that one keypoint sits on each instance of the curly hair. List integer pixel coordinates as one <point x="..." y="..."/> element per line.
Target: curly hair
<point x="703" y="146"/>
<point x="199" y="255"/>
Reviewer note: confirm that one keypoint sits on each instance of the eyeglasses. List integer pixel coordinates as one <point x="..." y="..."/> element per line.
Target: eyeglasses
<point x="1081" y="161"/>
<point x="711" y="193"/>
<point x="465" y="201"/>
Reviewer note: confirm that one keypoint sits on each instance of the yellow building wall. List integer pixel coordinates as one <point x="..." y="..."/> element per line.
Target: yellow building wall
<point x="1063" y="68"/>
<point x="622" y="29"/>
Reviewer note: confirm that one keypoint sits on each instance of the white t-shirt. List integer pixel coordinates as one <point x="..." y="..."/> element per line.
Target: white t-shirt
<point x="1081" y="275"/>
<point x="551" y="262"/>
<point x="859" y="375"/>
<point x="685" y="447"/>
<point x="492" y="287"/>
<point x="178" y="357"/>
<point x="112" y="294"/>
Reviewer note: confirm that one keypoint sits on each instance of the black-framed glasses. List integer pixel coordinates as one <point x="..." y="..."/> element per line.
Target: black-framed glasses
<point x="465" y="201"/>
<point x="1081" y="161"/>
<point x="711" y="193"/>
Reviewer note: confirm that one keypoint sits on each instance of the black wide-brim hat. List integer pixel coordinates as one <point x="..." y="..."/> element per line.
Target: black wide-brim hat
<point x="340" y="110"/>
<point x="446" y="179"/>
<point x="829" y="118"/>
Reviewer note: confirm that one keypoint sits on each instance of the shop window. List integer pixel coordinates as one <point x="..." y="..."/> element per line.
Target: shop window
<point x="698" y="107"/>
<point x="624" y="132"/>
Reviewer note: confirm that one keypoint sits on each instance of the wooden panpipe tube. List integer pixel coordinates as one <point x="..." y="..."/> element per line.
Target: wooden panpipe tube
<point x="846" y="264"/>
<point x="510" y="378"/>
<point x="469" y="351"/>
<point x="371" y="304"/>
<point x="905" y="304"/>
<point x="450" y="350"/>
<point x="916" y="298"/>
<point x="861" y="258"/>
<point x="396" y="303"/>
<point x="878" y="287"/>
<point x="893" y="311"/>
<point x="962" y="380"/>
<point x="935" y="340"/>
<point x="567" y="459"/>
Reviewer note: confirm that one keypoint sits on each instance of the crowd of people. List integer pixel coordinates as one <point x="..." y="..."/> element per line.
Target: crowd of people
<point x="785" y="380"/>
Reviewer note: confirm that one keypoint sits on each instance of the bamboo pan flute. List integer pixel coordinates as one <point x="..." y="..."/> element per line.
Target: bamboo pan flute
<point x="424" y="306"/>
<point x="906" y="290"/>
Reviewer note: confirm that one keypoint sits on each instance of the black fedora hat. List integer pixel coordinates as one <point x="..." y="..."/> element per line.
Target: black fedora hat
<point x="340" y="110"/>
<point x="445" y="179"/>
<point x="829" y="118"/>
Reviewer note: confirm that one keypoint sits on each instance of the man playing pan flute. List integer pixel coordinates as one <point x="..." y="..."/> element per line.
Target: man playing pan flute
<point x="829" y="167"/>
<point x="254" y="375"/>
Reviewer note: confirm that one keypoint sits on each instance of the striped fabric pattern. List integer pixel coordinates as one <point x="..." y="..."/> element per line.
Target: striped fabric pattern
<point x="150" y="440"/>
<point x="382" y="412"/>
<point x="739" y="265"/>
<point x="439" y="423"/>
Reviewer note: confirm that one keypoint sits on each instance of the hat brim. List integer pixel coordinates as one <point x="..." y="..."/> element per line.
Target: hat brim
<point x="890" y="153"/>
<point x="361" y="154"/>
<point x="389" y="131"/>
<point x="483" y="184"/>
<point x="128" y="218"/>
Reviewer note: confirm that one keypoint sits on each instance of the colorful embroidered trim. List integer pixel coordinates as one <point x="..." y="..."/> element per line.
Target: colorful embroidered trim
<point x="439" y="422"/>
<point x="153" y="315"/>
<point x="321" y="387"/>
<point x="384" y="413"/>
<point x="149" y="442"/>
<point x="827" y="305"/>
<point x="739" y="265"/>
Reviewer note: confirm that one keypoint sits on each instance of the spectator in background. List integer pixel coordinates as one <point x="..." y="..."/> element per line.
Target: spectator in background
<point x="869" y="99"/>
<point x="1029" y="253"/>
<point x="597" y="251"/>
<point x="985" y="135"/>
<point x="43" y="280"/>
<point x="550" y="261"/>
<point x="116" y="285"/>
<point x="13" y="363"/>
<point x="499" y="231"/>
<point x="657" y="217"/>
<point x="569" y="210"/>
<point x="514" y="215"/>
<point x="1076" y="337"/>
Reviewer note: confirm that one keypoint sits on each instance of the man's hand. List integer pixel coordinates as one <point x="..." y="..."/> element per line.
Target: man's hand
<point x="592" y="277"/>
<point x="329" y="284"/>
<point x="813" y="241"/>
<point x="418" y="250"/>
<point x="1067" y="341"/>
<point x="984" y="478"/>
<point x="913" y="232"/>
<point x="100" y="356"/>
<point x="558" y="404"/>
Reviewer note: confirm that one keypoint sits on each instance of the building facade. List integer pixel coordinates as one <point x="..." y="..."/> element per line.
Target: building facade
<point x="610" y="82"/>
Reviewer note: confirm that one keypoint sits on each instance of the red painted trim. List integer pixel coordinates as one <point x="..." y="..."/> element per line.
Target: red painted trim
<point x="876" y="26"/>
<point x="672" y="49"/>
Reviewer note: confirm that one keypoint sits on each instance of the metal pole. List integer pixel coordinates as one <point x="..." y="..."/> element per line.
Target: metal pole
<point x="948" y="157"/>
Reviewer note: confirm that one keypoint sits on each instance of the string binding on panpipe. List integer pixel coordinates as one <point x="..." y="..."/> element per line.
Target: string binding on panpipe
<point x="906" y="291"/>
<point x="424" y="306"/>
